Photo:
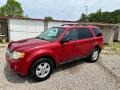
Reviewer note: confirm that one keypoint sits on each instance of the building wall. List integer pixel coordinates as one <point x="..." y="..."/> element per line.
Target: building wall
<point x="45" y="25"/>
<point x="21" y="29"/>
<point x="117" y="34"/>
<point x="108" y="34"/>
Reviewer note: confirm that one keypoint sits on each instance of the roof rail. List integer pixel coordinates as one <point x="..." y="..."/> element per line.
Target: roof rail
<point x="74" y="25"/>
<point x="91" y="24"/>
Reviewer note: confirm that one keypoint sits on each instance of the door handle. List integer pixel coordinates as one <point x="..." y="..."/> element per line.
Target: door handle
<point x="92" y="41"/>
<point x="76" y="44"/>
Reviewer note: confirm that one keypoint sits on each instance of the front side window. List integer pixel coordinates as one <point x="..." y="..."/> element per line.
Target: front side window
<point x="84" y="33"/>
<point x="71" y="35"/>
<point x="51" y="34"/>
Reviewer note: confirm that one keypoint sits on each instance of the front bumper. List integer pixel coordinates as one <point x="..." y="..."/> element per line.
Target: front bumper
<point x="17" y="66"/>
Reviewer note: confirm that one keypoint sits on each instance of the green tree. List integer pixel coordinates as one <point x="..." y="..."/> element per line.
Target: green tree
<point x="116" y="15"/>
<point x="118" y="19"/>
<point x="48" y="18"/>
<point x="11" y="8"/>
<point x="95" y="17"/>
<point x="91" y="17"/>
<point x="83" y="18"/>
<point x="104" y="17"/>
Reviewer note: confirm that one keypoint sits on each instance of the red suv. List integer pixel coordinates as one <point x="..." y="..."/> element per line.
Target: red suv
<point x="38" y="56"/>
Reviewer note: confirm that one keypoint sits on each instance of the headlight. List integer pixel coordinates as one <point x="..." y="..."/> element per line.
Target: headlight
<point x="17" y="55"/>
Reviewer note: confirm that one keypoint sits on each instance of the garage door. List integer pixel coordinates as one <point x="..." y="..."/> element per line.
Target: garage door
<point x="22" y="29"/>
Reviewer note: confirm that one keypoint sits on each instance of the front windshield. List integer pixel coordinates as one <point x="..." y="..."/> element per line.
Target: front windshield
<point x="51" y="34"/>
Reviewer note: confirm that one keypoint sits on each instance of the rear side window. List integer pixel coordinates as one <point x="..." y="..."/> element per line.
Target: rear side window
<point x="97" y="32"/>
<point x="84" y="33"/>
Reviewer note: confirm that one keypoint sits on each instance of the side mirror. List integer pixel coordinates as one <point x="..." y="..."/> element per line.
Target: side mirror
<point x="64" y="40"/>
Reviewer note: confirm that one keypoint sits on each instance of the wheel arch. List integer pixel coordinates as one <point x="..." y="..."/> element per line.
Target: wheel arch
<point x="44" y="56"/>
<point x="97" y="46"/>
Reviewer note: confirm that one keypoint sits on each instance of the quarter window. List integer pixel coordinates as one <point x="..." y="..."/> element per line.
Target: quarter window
<point x="97" y="32"/>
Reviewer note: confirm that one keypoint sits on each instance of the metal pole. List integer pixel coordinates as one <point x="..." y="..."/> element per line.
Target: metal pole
<point x="86" y="9"/>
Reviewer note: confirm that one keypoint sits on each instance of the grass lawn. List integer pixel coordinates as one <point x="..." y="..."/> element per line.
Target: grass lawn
<point x="112" y="49"/>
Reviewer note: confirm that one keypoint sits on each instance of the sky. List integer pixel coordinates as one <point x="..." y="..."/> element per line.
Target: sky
<point x="64" y="9"/>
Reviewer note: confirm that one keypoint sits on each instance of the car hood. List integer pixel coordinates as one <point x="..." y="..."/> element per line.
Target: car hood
<point x="27" y="43"/>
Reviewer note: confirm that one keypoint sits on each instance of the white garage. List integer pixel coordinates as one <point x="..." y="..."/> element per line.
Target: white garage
<point x="22" y="28"/>
<point x="117" y="34"/>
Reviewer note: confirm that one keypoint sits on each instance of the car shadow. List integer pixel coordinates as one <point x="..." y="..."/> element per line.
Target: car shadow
<point x="68" y="65"/>
<point x="14" y="78"/>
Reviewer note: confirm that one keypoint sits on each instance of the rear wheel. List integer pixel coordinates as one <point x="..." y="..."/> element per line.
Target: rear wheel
<point x="41" y="69"/>
<point x="94" y="55"/>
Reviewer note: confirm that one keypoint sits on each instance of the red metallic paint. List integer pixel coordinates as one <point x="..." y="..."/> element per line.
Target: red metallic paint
<point x="36" y="48"/>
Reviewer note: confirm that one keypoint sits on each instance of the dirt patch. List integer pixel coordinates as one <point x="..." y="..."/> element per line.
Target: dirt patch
<point x="3" y="45"/>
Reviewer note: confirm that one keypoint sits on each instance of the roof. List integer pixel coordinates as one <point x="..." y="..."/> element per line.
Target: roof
<point x="24" y="18"/>
<point x="98" y="24"/>
<point x="76" y="22"/>
<point x="3" y="18"/>
<point x="92" y="24"/>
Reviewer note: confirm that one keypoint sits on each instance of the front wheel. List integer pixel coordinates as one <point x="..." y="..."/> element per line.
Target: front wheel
<point x="94" y="55"/>
<point x="41" y="69"/>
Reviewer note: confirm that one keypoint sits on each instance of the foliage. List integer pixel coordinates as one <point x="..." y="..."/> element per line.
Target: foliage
<point x="12" y="8"/>
<point x="104" y="17"/>
<point x="84" y="18"/>
<point x="48" y="18"/>
<point x="113" y="49"/>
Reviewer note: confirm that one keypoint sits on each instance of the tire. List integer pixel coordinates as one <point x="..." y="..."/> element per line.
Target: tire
<point x="41" y="69"/>
<point x="93" y="57"/>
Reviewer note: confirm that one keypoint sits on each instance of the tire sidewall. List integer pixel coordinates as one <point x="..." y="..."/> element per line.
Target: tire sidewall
<point x="91" y="58"/>
<point x="34" y="66"/>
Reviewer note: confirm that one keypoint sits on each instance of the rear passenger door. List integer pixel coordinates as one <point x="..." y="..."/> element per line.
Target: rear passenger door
<point x="85" y="41"/>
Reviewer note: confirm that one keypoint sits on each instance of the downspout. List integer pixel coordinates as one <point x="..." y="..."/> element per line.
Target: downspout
<point x="9" y="36"/>
<point x="45" y="25"/>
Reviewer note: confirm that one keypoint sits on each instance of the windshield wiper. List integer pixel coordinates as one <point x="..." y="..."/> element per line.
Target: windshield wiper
<point x="41" y="38"/>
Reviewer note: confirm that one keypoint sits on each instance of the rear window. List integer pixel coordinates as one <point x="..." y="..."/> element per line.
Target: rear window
<point x="97" y="32"/>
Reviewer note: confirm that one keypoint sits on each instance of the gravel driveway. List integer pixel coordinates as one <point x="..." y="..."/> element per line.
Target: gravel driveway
<point x="78" y="75"/>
